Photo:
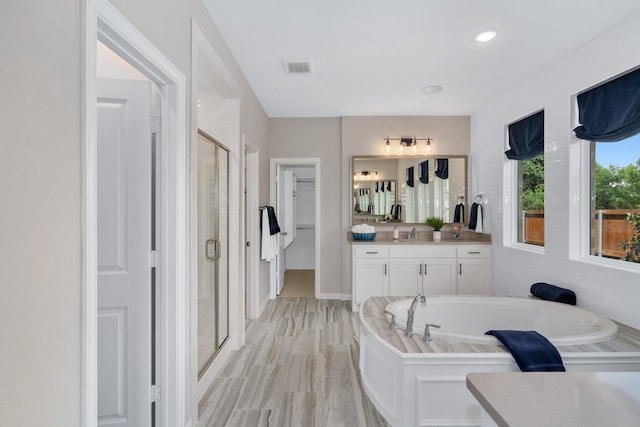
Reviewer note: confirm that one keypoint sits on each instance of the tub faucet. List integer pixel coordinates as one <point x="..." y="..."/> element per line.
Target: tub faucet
<point x="409" y="329"/>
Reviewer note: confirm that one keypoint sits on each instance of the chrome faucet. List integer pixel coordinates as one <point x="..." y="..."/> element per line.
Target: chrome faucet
<point x="409" y="329"/>
<point x="413" y="234"/>
<point x="427" y="332"/>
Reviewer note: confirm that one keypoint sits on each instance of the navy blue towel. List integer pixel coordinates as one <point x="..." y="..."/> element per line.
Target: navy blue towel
<point x="458" y="213"/>
<point x="274" y="228"/>
<point x="473" y="216"/>
<point x="532" y="351"/>
<point x="553" y="293"/>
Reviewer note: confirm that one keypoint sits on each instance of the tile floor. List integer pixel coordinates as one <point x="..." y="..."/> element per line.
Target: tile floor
<point x="298" y="367"/>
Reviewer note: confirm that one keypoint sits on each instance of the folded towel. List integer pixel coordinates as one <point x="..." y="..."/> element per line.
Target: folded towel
<point x="475" y="218"/>
<point x="363" y="228"/>
<point x="532" y="351"/>
<point x="553" y="293"/>
<point x="458" y="213"/>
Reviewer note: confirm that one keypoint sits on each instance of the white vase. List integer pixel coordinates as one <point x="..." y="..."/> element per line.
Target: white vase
<point x="437" y="235"/>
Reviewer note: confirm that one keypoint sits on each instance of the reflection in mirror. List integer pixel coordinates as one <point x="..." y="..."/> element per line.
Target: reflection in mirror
<point x="373" y="198"/>
<point x="421" y="187"/>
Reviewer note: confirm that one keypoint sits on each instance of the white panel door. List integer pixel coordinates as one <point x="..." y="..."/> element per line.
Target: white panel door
<point x="124" y="244"/>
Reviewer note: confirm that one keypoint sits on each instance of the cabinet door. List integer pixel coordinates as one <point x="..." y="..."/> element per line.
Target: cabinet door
<point x="439" y="277"/>
<point x="474" y="277"/>
<point x="371" y="279"/>
<point x="405" y="278"/>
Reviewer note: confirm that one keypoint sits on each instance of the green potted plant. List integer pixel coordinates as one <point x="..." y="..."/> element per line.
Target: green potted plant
<point x="436" y="223"/>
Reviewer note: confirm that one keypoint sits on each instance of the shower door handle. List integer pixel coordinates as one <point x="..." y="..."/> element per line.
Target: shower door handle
<point x="216" y="249"/>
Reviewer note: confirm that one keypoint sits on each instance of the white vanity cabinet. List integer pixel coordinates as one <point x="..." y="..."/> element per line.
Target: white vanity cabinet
<point x="474" y="270"/>
<point x="426" y="269"/>
<point x="397" y="269"/>
<point x="371" y="271"/>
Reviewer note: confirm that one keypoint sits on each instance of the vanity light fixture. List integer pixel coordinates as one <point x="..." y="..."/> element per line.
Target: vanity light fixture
<point x="365" y="175"/>
<point x="407" y="142"/>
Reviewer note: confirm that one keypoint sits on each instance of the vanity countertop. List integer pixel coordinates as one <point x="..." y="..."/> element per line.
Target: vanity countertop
<point x="424" y="237"/>
<point x="565" y="399"/>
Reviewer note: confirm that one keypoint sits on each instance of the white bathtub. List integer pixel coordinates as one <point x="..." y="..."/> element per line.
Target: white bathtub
<point x="416" y="383"/>
<point x="466" y="319"/>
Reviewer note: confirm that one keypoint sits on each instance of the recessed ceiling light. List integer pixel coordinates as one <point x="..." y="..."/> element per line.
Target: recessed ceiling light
<point x="430" y="90"/>
<point x="485" y="36"/>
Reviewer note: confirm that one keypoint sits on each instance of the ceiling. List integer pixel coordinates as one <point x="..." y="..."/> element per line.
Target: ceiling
<point x="372" y="57"/>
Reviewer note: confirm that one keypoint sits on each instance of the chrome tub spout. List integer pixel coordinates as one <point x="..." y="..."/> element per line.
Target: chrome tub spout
<point x="409" y="329"/>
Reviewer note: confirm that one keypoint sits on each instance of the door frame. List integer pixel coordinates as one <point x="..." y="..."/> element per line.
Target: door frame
<point x="305" y="161"/>
<point x="252" y="228"/>
<point x="102" y="21"/>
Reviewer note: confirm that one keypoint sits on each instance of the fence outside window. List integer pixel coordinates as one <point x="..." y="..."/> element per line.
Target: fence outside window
<point x="610" y="229"/>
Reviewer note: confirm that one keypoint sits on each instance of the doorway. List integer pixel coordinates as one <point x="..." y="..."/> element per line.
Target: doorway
<point x="134" y="276"/>
<point x="295" y="193"/>
<point x="127" y="235"/>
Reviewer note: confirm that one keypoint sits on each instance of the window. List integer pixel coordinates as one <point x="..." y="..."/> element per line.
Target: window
<point x="531" y="201"/>
<point x="615" y="197"/>
<point x="609" y="117"/>
<point x="526" y="149"/>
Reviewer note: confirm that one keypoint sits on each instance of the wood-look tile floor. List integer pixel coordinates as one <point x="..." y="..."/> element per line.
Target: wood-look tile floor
<point x="298" y="367"/>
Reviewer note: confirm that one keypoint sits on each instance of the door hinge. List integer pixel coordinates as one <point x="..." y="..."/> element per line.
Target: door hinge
<point x="154" y="393"/>
<point x="156" y="124"/>
<point x="154" y="259"/>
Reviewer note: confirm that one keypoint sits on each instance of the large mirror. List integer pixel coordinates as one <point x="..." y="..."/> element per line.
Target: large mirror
<point x="408" y="189"/>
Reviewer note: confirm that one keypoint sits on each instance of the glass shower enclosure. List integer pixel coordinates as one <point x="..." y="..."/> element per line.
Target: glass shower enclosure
<point x="212" y="235"/>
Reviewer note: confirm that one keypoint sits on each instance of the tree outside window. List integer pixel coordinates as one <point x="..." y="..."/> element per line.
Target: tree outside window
<point x="531" y="201"/>
<point x="615" y="207"/>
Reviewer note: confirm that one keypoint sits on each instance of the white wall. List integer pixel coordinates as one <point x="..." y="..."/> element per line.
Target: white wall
<point x="610" y="291"/>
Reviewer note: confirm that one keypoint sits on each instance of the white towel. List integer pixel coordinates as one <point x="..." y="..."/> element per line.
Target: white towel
<point x="479" y="221"/>
<point x="268" y="253"/>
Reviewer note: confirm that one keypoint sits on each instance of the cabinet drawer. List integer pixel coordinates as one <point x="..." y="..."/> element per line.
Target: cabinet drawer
<point x="371" y="251"/>
<point x="474" y="251"/>
<point x="422" y="251"/>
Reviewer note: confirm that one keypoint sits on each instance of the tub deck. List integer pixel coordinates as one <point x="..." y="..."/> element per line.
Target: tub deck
<point x="627" y="339"/>
<point x="413" y="382"/>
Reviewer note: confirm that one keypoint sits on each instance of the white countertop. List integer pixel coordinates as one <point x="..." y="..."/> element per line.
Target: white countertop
<point x="533" y="399"/>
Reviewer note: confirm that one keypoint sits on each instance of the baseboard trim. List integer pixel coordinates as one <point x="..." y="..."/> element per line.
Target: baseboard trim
<point x="335" y="296"/>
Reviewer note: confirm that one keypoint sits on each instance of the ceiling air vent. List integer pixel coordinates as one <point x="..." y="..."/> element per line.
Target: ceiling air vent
<point x="298" y="67"/>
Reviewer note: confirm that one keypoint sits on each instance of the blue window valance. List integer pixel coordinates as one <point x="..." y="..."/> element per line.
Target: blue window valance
<point x="611" y="111"/>
<point x="526" y="138"/>
<point x="389" y="186"/>
<point x="424" y="172"/>
<point x="410" y="176"/>
<point x="442" y="170"/>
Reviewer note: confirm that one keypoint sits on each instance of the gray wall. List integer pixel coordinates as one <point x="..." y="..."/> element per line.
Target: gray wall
<point x="334" y="141"/>
<point x="40" y="189"/>
<point x="317" y="138"/>
<point x="40" y="251"/>
<point x="364" y="136"/>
